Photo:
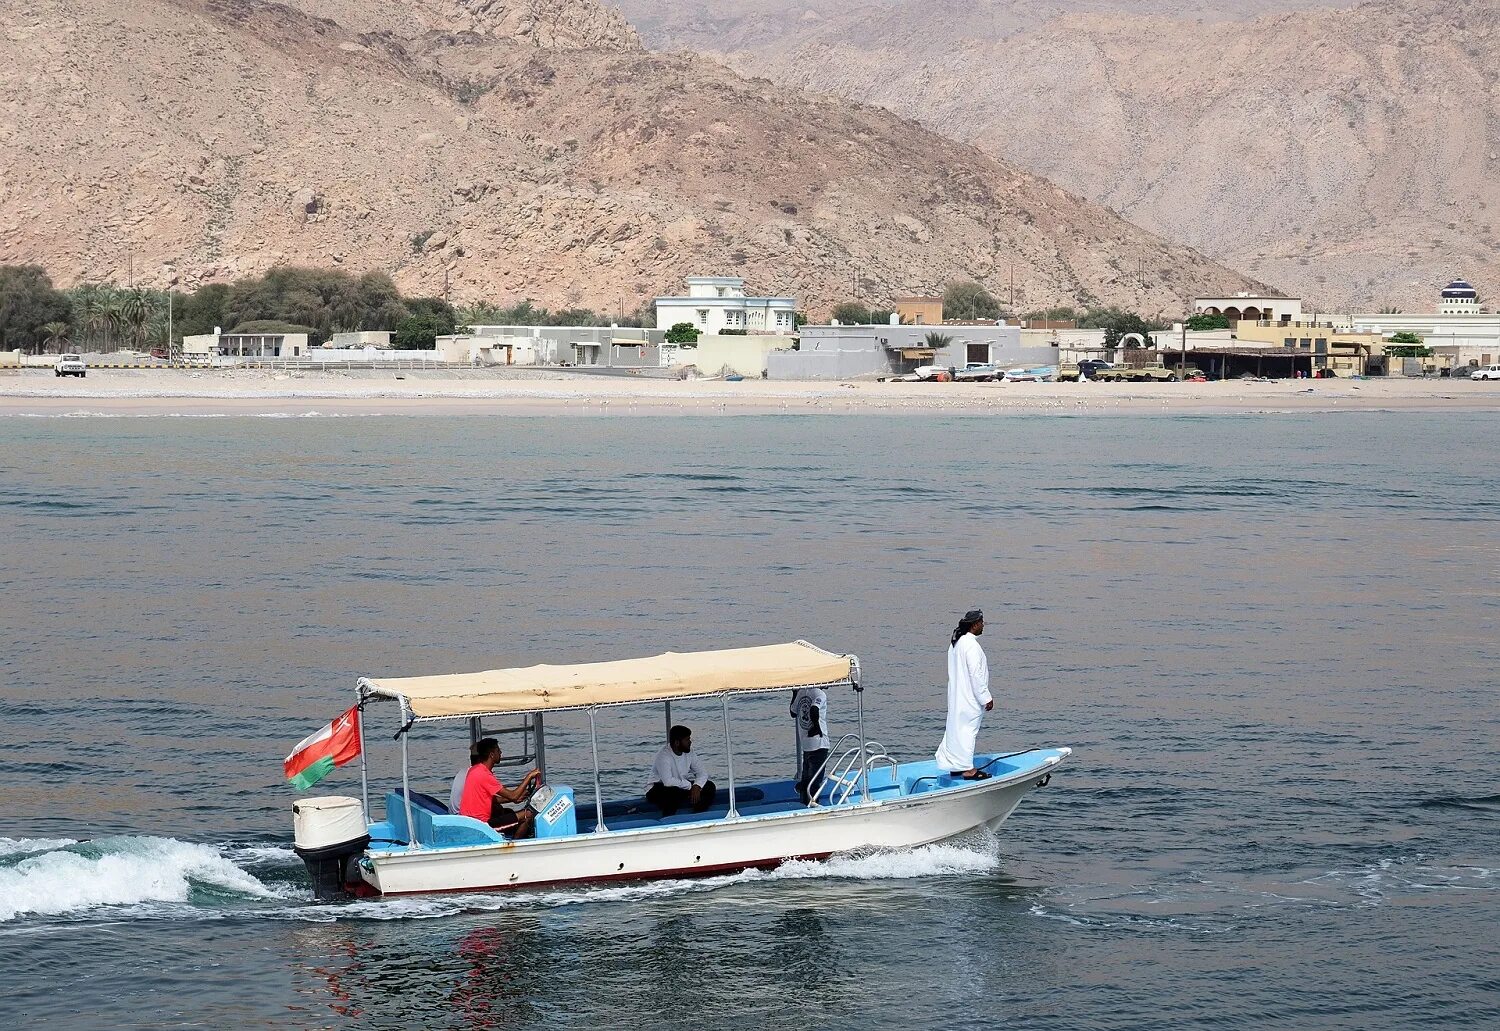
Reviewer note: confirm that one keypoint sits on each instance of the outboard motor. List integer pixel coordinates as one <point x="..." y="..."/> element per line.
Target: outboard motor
<point x="329" y="833"/>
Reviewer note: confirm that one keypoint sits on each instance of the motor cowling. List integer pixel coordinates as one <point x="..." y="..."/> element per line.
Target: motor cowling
<point x="329" y="834"/>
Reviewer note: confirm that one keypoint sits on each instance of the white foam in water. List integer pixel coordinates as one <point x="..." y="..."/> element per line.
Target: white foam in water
<point x="929" y="861"/>
<point x="130" y="871"/>
<point x="25" y="846"/>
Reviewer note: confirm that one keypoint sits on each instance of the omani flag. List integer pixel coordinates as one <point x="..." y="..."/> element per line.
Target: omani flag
<point x="315" y="756"/>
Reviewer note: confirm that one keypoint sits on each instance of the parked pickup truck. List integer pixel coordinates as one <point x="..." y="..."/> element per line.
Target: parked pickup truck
<point x="1145" y="374"/>
<point x="70" y="365"/>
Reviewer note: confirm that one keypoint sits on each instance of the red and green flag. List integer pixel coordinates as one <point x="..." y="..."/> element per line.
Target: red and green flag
<point x="317" y="754"/>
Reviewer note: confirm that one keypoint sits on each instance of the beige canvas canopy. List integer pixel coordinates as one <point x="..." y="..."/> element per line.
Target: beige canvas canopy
<point x="658" y="678"/>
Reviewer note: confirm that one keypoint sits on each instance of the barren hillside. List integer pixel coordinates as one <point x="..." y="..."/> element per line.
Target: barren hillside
<point x="516" y="149"/>
<point x="1349" y="154"/>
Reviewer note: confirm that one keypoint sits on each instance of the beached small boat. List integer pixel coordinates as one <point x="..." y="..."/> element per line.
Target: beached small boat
<point x="866" y="798"/>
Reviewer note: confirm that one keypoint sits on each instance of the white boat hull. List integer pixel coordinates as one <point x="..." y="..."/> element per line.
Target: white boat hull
<point x="703" y="848"/>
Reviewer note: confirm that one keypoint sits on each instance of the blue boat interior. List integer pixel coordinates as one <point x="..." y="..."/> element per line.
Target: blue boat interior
<point x="437" y="828"/>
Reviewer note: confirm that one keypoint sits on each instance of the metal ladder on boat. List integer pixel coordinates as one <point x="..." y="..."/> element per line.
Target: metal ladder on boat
<point x="849" y="762"/>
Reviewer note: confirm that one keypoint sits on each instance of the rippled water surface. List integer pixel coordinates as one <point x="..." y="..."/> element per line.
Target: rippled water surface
<point x="1272" y="640"/>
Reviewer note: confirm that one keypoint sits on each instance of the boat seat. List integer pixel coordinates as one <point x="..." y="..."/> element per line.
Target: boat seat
<point x="436" y="829"/>
<point x="425" y="801"/>
<point x="643" y="808"/>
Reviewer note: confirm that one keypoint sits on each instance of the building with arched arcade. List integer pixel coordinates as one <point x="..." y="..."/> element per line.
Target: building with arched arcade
<point x="1250" y="308"/>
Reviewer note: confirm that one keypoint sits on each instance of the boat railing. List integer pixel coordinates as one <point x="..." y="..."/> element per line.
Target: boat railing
<point x="848" y="762"/>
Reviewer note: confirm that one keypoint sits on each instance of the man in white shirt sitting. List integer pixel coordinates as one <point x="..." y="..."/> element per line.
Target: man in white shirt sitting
<point x="678" y="777"/>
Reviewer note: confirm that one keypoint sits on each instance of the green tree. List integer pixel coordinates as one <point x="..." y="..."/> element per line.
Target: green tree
<point x="1405" y="337"/>
<point x="199" y="312"/>
<point x="439" y="309"/>
<point x="1202" y="322"/>
<point x="421" y="330"/>
<point x="1062" y="313"/>
<point x="56" y="336"/>
<point x="937" y="341"/>
<point x="28" y="302"/>
<point x="851" y="313"/>
<point x="136" y="306"/>
<point x="327" y="300"/>
<point x="1118" y="324"/>
<point x="799" y="319"/>
<point x="682" y="333"/>
<point x="969" y="301"/>
<point x="880" y="316"/>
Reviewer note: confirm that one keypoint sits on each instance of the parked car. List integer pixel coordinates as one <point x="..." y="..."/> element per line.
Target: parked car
<point x="70" y="365"/>
<point x="1486" y="372"/>
<point x="1069" y="372"/>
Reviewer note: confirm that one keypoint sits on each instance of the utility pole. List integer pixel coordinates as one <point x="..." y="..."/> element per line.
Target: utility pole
<point x="445" y="284"/>
<point x="1011" y="304"/>
<point x="1182" y="369"/>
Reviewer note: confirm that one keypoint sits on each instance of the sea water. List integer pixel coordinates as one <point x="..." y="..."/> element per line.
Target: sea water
<point x="1270" y="639"/>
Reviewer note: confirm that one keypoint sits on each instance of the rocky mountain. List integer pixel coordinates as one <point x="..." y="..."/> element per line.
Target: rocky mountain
<point x="505" y="149"/>
<point x="1349" y="153"/>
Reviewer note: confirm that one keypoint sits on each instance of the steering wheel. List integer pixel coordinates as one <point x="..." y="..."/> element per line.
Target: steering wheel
<point x="536" y="786"/>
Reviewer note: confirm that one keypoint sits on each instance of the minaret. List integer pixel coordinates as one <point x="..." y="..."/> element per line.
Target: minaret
<point x="1459" y="298"/>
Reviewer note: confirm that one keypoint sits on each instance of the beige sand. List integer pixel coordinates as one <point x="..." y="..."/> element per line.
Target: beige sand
<point x="256" y="392"/>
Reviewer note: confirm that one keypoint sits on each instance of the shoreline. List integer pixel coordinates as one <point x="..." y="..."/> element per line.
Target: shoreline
<point x="153" y="392"/>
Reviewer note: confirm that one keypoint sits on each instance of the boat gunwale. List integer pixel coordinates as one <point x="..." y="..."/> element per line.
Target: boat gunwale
<point x="724" y="824"/>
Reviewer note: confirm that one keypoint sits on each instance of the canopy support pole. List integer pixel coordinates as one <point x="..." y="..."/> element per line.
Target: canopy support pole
<point x="411" y="826"/>
<point x="668" y="711"/>
<point x="539" y="739"/>
<point x="599" y="827"/>
<point x="864" y="756"/>
<point x="733" y="813"/>
<point x="364" y="769"/>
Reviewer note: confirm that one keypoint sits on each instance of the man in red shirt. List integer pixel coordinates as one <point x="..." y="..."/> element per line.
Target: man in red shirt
<point x="483" y="794"/>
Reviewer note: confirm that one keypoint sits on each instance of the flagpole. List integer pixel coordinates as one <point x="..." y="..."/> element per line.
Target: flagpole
<point x="364" y="771"/>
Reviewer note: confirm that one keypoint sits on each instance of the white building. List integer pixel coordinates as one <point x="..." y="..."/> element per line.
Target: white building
<point x="218" y="344"/>
<point x="848" y="352"/>
<point x="610" y="346"/>
<point x="1459" y="330"/>
<point x="1250" y="307"/>
<point x="717" y="303"/>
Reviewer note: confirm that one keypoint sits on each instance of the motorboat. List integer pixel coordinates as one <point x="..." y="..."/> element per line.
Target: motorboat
<point x="863" y="797"/>
<point x="1036" y="374"/>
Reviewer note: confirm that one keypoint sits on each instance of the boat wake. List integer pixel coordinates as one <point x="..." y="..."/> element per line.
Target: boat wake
<point x="59" y="880"/>
<point x="57" y="877"/>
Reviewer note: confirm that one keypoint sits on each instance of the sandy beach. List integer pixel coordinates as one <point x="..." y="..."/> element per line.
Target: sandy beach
<point x="144" y="392"/>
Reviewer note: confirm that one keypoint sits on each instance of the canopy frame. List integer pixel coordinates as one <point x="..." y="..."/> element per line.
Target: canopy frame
<point x="368" y="690"/>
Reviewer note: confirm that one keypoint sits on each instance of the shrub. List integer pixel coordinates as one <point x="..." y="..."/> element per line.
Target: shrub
<point x="683" y="333"/>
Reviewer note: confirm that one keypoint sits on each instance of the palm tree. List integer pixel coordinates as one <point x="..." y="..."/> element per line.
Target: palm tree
<point x="937" y="341"/>
<point x="57" y="335"/>
<point x="135" y="309"/>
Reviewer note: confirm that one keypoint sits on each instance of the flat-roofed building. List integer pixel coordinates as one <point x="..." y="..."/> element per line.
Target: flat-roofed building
<point x="920" y="311"/>
<point x="1250" y="308"/>
<point x="715" y="304"/>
